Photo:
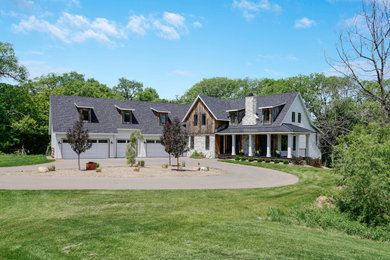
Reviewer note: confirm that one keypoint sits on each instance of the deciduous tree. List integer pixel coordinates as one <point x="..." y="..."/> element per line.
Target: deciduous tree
<point x="128" y="89"/>
<point x="131" y="150"/>
<point x="9" y="64"/>
<point x="78" y="139"/>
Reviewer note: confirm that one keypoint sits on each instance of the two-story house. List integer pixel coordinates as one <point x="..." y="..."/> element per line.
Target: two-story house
<point x="253" y="125"/>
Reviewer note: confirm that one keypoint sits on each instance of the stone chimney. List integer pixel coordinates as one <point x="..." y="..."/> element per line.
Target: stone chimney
<point x="250" y="117"/>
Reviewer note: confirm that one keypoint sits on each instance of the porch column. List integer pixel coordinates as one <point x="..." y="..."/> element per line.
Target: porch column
<point x="250" y="152"/>
<point x="297" y="141"/>
<point x="223" y="144"/>
<point x="279" y="137"/>
<point x="233" y="144"/>
<point x="268" y="145"/>
<point x="307" y="154"/>
<point x="289" y="145"/>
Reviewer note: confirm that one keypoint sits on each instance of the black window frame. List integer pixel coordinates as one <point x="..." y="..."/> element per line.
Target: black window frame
<point x="83" y="115"/>
<point x="284" y="142"/>
<point x="207" y="143"/>
<point x="233" y="118"/>
<point x="204" y="119"/>
<point x="196" y="119"/>
<point x="294" y="143"/>
<point x="293" y="117"/>
<point x="268" y="113"/>
<point x="165" y="116"/>
<point x="192" y="142"/>
<point x="299" y="117"/>
<point x="124" y="117"/>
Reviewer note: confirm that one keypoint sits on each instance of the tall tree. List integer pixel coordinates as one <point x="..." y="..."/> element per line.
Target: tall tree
<point x="9" y="65"/>
<point x="167" y="139"/>
<point x="148" y="94"/>
<point x="128" y="89"/>
<point x="363" y="53"/>
<point x="78" y="138"/>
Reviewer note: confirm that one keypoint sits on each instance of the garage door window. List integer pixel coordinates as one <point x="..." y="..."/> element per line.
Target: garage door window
<point x="65" y="141"/>
<point x="103" y="141"/>
<point x="150" y="141"/>
<point x="92" y="141"/>
<point x="121" y="141"/>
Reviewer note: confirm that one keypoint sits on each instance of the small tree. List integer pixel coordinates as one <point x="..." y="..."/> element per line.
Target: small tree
<point x="78" y="138"/>
<point x="166" y="139"/>
<point x="131" y="151"/>
<point x="178" y="139"/>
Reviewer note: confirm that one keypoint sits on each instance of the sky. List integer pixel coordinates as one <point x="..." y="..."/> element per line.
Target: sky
<point x="171" y="45"/>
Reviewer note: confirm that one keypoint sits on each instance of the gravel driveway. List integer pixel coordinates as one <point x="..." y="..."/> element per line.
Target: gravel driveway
<point x="237" y="176"/>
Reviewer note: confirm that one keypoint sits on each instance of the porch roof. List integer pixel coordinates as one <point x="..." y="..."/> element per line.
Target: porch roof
<point x="284" y="128"/>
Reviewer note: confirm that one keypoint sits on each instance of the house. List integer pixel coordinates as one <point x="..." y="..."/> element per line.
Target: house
<point x="252" y="125"/>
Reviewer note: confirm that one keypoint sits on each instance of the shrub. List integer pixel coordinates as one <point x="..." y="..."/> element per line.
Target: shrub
<point x="208" y="168"/>
<point x="197" y="155"/>
<point x="286" y="161"/>
<point x="51" y="168"/>
<point x="97" y="165"/>
<point x="276" y="161"/>
<point x="98" y="170"/>
<point x="243" y="158"/>
<point x="183" y="164"/>
<point x="259" y="159"/>
<point x="297" y="160"/>
<point x="237" y="158"/>
<point x="362" y="158"/>
<point x="315" y="162"/>
<point x="141" y="163"/>
<point x="250" y="159"/>
<point x="165" y="165"/>
<point x="267" y="160"/>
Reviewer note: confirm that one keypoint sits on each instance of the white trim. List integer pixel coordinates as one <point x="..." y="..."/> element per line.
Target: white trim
<point x="83" y="106"/>
<point x="160" y="111"/>
<point x="234" y="110"/>
<point x="307" y="113"/>
<point x="193" y="104"/>
<point x="272" y="106"/>
<point x="125" y="109"/>
<point x="263" y="133"/>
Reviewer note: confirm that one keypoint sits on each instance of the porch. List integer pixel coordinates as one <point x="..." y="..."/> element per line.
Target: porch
<point x="263" y="145"/>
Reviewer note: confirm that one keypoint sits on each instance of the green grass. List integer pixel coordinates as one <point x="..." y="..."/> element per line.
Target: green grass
<point x="8" y="160"/>
<point x="199" y="224"/>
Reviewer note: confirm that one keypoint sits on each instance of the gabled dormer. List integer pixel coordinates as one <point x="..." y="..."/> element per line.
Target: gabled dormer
<point x="161" y="115"/>
<point x="270" y="113"/>
<point x="85" y="112"/>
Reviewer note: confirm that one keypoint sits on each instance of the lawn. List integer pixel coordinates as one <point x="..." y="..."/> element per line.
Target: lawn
<point x="173" y="224"/>
<point x="8" y="160"/>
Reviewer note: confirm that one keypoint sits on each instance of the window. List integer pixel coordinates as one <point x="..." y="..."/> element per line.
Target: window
<point x="294" y="142"/>
<point x="150" y="141"/>
<point x="126" y="117"/>
<point x="207" y="144"/>
<point x="163" y="118"/>
<point x="85" y="115"/>
<point x="121" y="141"/>
<point x="103" y="141"/>
<point x="299" y="117"/>
<point x="192" y="142"/>
<point x="92" y="141"/>
<point x="195" y="119"/>
<point x="64" y="141"/>
<point x="293" y="117"/>
<point x="284" y="142"/>
<point x="266" y="116"/>
<point x="158" y="142"/>
<point x="233" y="118"/>
<point x="203" y="119"/>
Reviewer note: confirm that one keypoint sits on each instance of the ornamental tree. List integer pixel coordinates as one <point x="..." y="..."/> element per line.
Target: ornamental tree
<point x="166" y="139"/>
<point x="131" y="151"/>
<point x="78" y="139"/>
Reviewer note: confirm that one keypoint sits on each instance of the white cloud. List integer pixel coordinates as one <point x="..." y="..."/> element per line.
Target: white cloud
<point x="250" y="9"/>
<point x="182" y="73"/>
<point x="174" y="19"/>
<point x="24" y="5"/>
<point x="304" y="23"/>
<point x="197" y="24"/>
<point x="166" y="32"/>
<point x="138" y="24"/>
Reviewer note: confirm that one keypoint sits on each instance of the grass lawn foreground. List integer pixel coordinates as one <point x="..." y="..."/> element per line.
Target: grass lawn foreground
<point x="174" y="224"/>
<point x="9" y="160"/>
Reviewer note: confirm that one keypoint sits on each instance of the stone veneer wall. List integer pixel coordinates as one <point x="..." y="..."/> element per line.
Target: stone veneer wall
<point x="245" y="144"/>
<point x="250" y="117"/>
<point x="200" y="146"/>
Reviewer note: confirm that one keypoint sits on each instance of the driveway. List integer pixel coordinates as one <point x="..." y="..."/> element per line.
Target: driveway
<point x="237" y="177"/>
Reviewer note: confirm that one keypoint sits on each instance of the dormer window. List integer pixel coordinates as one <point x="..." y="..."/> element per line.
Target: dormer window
<point x="126" y="117"/>
<point x="86" y="114"/>
<point x="267" y="116"/>
<point x="163" y="119"/>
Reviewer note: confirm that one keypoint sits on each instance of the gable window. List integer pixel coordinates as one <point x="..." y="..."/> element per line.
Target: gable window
<point x="163" y="118"/>
<point x="195" y="119"/>
<point x="126" y="117"/>
<point x="299" y="117"/>
<point x="203" y="119"/>
<point x="293" y="117"/>
<point x="86" y="115"/>
<point x="192" y="142"/>
<point x="266" y="115"/>
<point x="207" y="143"/>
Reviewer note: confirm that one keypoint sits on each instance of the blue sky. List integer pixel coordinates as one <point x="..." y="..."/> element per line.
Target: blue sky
<point x="170" y="45"/>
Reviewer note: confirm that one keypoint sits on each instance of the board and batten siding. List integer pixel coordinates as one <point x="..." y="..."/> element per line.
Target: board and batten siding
<point x="200" y="129"/>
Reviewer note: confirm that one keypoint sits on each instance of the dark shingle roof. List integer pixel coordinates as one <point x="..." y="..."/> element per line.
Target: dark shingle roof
<point x="283" y="128"/>
<point x="106" y="118"/>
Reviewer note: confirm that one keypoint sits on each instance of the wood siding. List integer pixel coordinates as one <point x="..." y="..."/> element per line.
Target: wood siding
<point x="199" y="109"/>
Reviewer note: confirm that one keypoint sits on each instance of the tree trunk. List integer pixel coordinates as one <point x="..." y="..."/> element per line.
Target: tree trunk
<point x="78" y="160"/>
<point x="170" y="160"/>
<point x="177" y="163"/>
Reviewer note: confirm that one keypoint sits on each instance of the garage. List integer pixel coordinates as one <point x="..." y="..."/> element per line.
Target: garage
<point x="100" y="149"/>
<point x="155" y="149"/>
<point x="121" y="147"/>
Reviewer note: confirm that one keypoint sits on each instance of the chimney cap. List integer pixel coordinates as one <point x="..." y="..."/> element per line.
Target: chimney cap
<point x="250" y="95"/>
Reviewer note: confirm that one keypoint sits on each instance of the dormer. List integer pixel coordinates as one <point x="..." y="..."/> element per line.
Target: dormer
<point x="161" y="115"/>
<point x="85" y="112"/>
<point x="126" y="114"/>
<point x="236" y="115"/>
<point x="270" y="113"/>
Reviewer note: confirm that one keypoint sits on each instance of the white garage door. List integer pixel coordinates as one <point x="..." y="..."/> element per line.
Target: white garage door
<point x="121" y="147"/>
<point x="99" y="149"/>
<point x="155" y="149"/>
